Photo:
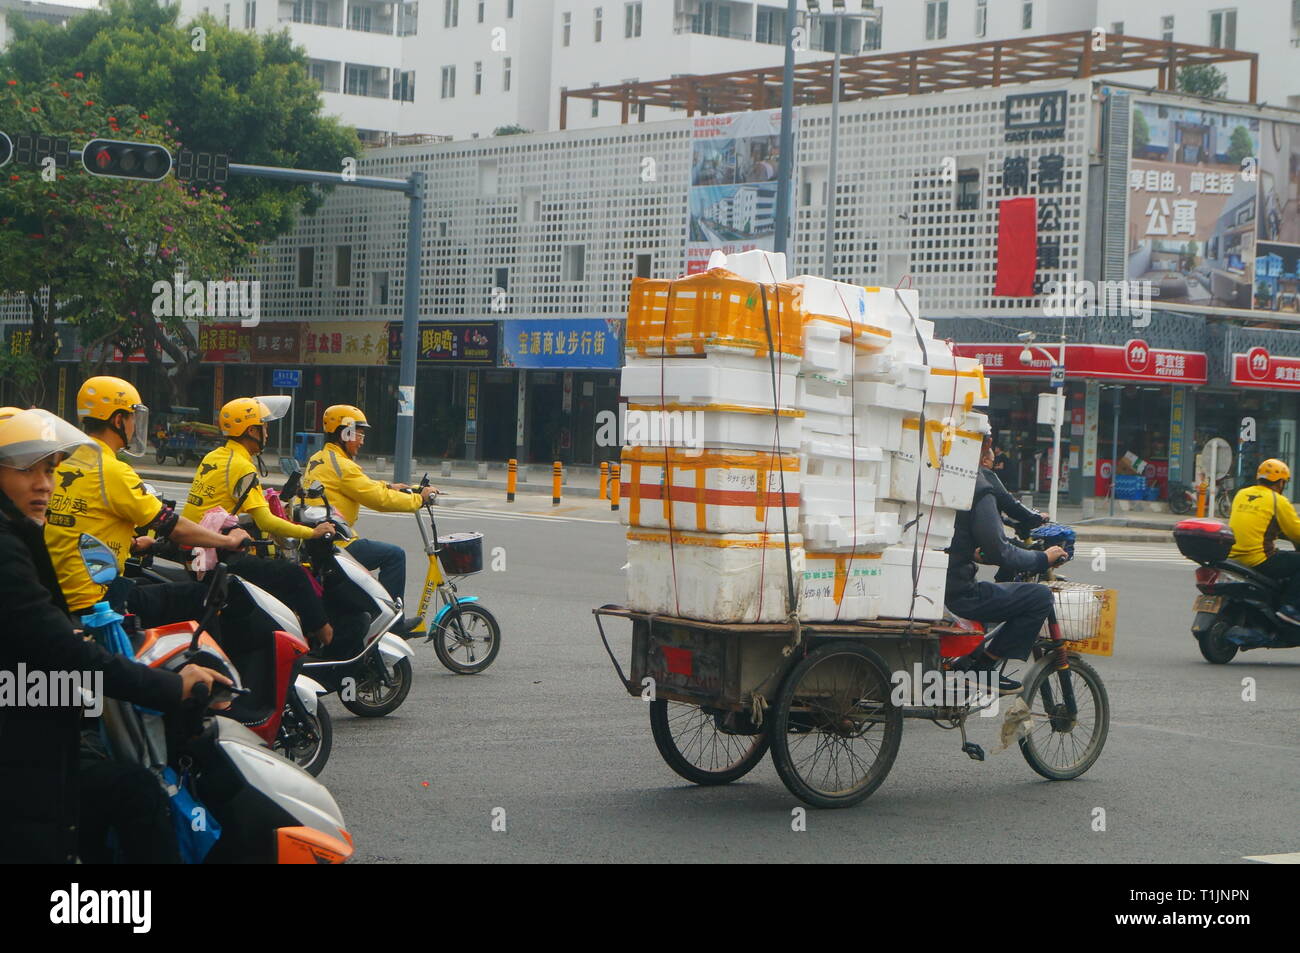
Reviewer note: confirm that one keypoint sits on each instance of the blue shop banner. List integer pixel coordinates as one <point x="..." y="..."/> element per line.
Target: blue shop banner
<point x="563" y="344"/>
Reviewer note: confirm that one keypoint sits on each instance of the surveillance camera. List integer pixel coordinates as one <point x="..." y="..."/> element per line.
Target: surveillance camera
<point x="1025" y="336"/>
<point x="1026" y="356"/>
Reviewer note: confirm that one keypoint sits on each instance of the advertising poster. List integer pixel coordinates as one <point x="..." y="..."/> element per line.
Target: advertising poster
<point x="732" y="198"/>
<point x="460" y="343"/>
<point x="1193" y="204"/>
<point x="351" y="343"/>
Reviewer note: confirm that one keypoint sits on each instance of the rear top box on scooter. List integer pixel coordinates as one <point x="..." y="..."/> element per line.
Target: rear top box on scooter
<point x="1204" y="541"/>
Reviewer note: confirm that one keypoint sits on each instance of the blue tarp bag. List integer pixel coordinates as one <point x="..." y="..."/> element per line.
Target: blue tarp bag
<point x="197" y="831"/>
<point x="1056" y="535"/>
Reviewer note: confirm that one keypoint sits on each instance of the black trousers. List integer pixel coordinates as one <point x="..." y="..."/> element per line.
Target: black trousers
<point x="1024" y="606"/>
<point x="285" y="581"/>
<point x="126" y="799"/>
<point x="1284" y="566"/>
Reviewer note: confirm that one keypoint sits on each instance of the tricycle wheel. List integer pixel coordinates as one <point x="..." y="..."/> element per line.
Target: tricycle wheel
<point x="1060" y="746"/>
<point x="705" y="746"/>
<point x="836" y="731"/>
<point x="160" y="455"/>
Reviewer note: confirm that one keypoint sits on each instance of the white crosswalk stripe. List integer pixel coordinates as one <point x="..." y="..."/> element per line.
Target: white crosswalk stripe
<point x="1135" y="552"/>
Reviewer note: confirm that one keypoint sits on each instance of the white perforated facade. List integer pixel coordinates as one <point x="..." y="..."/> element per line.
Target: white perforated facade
<point x="518" y="203"/>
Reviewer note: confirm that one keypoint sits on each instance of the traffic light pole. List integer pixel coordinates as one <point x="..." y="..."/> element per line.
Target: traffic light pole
<point x="412" y="187"/>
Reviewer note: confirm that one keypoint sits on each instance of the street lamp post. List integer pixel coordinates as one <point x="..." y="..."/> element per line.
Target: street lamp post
<point x="838" y="15"/>
<point x="785" y="168"/>
<point x="1058" y="412"/>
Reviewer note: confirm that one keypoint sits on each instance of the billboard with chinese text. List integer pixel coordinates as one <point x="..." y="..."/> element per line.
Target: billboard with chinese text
<point x="563" y="344"/>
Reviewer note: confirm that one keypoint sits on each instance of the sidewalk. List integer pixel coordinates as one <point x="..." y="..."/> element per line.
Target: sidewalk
<point x="581" y="487"/>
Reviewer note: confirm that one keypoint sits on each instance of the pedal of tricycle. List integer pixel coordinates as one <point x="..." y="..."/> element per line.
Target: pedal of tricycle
<point x="974" y="751"/>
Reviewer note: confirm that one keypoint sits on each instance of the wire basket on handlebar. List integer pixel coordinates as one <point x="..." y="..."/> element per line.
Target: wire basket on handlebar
<point x="1086" y="614"/>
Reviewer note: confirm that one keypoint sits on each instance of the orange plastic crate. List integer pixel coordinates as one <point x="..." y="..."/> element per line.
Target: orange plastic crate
<point x="713" y="309"/>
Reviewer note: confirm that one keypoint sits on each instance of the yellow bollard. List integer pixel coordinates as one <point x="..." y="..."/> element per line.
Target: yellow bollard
<point x="613" y="486"/>
<point x="604" y="481"/>
<point x="1200" y="499"/>
<point x="557" y="477"/>
<point x="512" y="475"/>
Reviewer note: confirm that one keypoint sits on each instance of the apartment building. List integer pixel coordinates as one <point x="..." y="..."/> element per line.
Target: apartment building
<point x="11" y="10"/>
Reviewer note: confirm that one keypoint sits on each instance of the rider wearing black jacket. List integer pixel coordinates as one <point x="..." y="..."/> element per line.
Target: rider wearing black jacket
<point x="978" y="537"/>
<point x="39" y="745"/>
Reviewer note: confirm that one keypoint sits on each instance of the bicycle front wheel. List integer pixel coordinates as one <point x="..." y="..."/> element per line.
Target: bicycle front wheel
<point x="468" y="641"/>
<point x="1061" y="746"/>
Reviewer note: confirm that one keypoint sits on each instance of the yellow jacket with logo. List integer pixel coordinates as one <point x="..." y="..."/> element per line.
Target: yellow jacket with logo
<point x="98" y="494"/>
<point x="214" y="485"/>
<point x="348" y="488"/>
<point x="1259" y="514"/>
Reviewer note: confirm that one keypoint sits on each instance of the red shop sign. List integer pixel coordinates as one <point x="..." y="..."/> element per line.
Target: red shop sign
<point x="1134" y="361"/>
<point x="1258" y="368"/>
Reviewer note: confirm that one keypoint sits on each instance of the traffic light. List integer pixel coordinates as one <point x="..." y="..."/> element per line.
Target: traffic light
<point x="6" y="149"/>
<point x="126" y="160"/>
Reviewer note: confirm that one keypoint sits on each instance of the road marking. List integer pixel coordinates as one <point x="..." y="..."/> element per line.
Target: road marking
<point x="1134" y="552"/>
<point x="1293" y="858"/>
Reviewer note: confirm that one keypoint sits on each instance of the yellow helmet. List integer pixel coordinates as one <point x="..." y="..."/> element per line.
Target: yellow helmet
<point x="243" y="412"/>
<point x="101" y="397"/>
<point x="1273" y="470"/>
<point x="29" y="436"/>
<point x="343" y="415"/>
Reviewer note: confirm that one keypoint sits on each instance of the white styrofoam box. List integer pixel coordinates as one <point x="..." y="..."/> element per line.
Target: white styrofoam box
<point x="947" y="479"/>
<point x="824" y="352"/>
<point x="896" y="582"/>
<point x="756" y="265"/>
<point x="826" y="533"/>
<point x="935" y="526"/>
<point x="840" y="587"/>
<point x="722" y="379"/>
<point x="837" y="458"/>
<point x="833" y="425"/>
<point x="891" y="308"/>
<point x="724" y="426"/>
<point x="954" y="381"/>
<point x="823" y="494"/>
<point x="822" y="395"/>
<point x="715" y="577"/>
<point x="845" y="306"/>
<point x="876" y="394"/>
<point x="890" y="368"/>
<point x="711" y="491"/>
<point x="879" y="427"/>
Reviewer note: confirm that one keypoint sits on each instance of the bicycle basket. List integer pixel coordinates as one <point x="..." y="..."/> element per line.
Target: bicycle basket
<point x="1078" y="608"/>
<point x="461" y="553"/>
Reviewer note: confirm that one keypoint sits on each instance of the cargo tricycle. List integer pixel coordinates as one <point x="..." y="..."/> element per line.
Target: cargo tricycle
<point x="829" y="699"/>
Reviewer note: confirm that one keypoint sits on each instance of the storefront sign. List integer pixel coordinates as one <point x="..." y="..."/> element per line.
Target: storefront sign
<point x="18" y="340"/>
<point x="1177" y="411"/>
<point x="345" y="343"/>
<point x="1134" y="361"/>
<point x="563" y="344"/>
<point x="448" y="344"/>
<point x="471" y="408"/>
<point x="225" y="344"/>
<point x="276" y="342"/>
<point x="1258" y="368"/>
<point x="1035" y="116"/>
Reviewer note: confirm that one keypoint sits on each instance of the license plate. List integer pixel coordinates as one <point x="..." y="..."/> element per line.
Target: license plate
<point x="1207" y="604"/>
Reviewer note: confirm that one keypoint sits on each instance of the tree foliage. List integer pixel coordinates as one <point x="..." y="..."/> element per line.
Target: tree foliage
<point x="1202" y="79"/>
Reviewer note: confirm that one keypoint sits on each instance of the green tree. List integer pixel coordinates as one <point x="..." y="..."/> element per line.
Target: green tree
<point x="1202" y="79"/>
<point x="210" y="89"/>
<point x="87" y="249"/>
<point x="512" y="130"/>
<point x="1240" y="145"/>
<point x="1141" y="131"/>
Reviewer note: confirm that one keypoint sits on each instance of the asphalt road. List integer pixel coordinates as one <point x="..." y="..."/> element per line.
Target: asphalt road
<point x="1191" y="773"/>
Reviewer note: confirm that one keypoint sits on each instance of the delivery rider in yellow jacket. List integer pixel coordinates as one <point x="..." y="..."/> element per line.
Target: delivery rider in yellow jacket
<point x="97" y="494"/>
<point x="1260" y="513"/>
<point x="348" y="488"/>
<point x="243" y="421"/>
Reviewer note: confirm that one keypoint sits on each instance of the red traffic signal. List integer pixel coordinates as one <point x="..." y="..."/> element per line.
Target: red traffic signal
<point x="126" y="160"/>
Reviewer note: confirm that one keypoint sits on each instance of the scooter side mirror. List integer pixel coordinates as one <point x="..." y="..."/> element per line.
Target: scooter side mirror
<point x="289" y="466"/>
<point x="99" y="560"/>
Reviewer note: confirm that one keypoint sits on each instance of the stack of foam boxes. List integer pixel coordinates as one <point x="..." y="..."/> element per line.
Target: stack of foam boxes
<point x="837" y="426"/>
<point x="710" y="480"/>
